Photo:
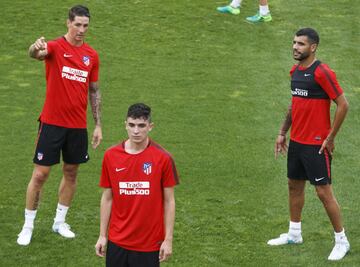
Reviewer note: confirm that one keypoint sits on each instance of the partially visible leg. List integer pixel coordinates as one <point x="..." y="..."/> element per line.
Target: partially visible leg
<point x="232" y="8"/>
<point x="326" y="195"/>
<point x="39" y="176"/>
<point x="296" y="198"/>
<point x="68" y="184"/>
<point x="264" y="8"/>
<point x="263" y="15"/>
<point x="342" y="245"/>
<point x="67" y="191"/>
<point x="235" y="3"/>
<point x="296" y="203"/>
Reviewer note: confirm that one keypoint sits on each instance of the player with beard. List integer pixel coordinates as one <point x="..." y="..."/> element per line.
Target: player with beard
<point x="313" y="86"/>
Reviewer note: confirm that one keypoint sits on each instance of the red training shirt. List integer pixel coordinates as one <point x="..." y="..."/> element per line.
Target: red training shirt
<point x="311" y="103"/>
<point x="137" y="182"/>
<point x="69" y="70"/>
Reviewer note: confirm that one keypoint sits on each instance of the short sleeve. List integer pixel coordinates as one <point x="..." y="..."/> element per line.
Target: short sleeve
<point x="105" y="178"/>
<point x="94" y="74"/>
<point x="51" y="47"/>
<point x="170" y="176"/>
<point x="326" y="78"/>
<point x="292" y="70"/>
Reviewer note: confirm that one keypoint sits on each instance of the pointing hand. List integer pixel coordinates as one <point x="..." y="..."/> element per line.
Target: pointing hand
<point x="40" y="44"/>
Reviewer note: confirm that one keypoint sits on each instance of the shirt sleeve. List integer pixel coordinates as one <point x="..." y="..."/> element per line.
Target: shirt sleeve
<point x="326" y="78"/>
<point x="94" y="74"/>
<point x="292" y="70"/>
<point x="50" y="47"/>
<point x="105" y="178"/>
<point x="170" y="176"/>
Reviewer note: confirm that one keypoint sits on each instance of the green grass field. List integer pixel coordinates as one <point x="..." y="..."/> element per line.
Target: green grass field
<point x="219" y="88"/>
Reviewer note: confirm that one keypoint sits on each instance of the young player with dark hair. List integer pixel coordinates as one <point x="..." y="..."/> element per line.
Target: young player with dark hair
<point x="137" y="209"/>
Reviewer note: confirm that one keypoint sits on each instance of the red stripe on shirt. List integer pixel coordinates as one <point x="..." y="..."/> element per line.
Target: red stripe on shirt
<point x="331" y="78"/>
<point x="176" y="176"/>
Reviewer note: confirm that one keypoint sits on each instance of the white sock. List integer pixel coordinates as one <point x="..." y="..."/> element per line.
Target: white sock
<point x="340" y="236"/>
<point x="29" y="218"/>
<point x="61" y="212"/>
<point x="235" y="3"/>
<point x="295" y="229"/>
<point x="264" y="10"/>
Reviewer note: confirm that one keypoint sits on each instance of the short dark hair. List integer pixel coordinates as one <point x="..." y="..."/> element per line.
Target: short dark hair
<point x="310" y="33"/>
<point x="80" y="11"/>
<point x="139" y="111"/>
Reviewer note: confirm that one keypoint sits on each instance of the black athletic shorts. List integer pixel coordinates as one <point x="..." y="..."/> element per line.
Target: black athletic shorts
<point x="119" y="257"/>
<point x="305" y="163"/>
<point x="73" y="144"/>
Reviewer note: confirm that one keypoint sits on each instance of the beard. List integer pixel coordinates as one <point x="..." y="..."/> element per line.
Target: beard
<point x="300" y="56"/>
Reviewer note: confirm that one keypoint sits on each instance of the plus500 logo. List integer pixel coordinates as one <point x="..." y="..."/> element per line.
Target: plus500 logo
<point x="134" y="188"/>
<point x="299" y="92"/>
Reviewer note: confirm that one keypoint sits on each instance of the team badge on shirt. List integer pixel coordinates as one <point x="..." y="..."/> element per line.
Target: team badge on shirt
<point x="40" y="156"/>
<point x="147" y="168"/>
<point x="86" y="60"/>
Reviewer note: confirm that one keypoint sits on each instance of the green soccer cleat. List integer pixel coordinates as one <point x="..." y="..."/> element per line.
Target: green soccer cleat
<point x="258" y="18"/>
<point x="229" y="9"/>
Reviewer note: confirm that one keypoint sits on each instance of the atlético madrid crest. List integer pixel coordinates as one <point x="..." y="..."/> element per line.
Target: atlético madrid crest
<point x="40" y="156"/>
<point x="86" y="60"/>
<point x="147" y="168"/>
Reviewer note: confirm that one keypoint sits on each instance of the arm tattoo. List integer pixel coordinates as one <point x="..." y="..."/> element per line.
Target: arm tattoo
<point x="32" y="52"/>
<point x="39" y="55"/>
<point x="287" y="122"/>
<point x="95" y="101"/>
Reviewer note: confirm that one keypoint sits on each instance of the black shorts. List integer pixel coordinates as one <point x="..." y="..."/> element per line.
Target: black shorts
<point x="73" y="144"/>
<point x="119" y="257"/>
<point x="305" y="163"/>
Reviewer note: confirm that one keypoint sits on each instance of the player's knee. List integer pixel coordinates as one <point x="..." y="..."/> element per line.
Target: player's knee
<point x="70" y="173"/>
<point x="294" y="188"/>
<point x="321" y="195"/>
<point x="324" y="195"/>
<point x="40" y="177"/>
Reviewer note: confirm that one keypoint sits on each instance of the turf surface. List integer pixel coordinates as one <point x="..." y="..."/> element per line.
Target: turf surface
<point x="219" y="88"/>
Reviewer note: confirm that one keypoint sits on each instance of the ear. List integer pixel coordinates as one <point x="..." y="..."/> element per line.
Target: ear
<point x="313" y="48"/>
<point x="151" y="126"/>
